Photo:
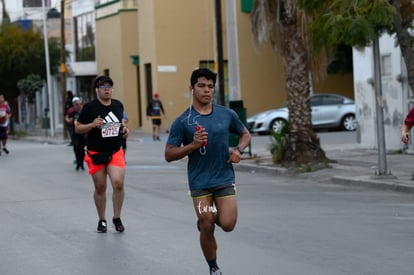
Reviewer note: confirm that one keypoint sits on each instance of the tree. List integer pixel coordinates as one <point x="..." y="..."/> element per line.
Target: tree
<point x="356" y="23"/>
<point x="5" y="14"/>
<point x="319" y="28"/>
<point x="402" y="25"/>
<point x="30" y="85"/>
<point x="284" y="25"/>
<point x="22" y="53"/>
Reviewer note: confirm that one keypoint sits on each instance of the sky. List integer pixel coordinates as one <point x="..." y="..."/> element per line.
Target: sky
<point x="15" y="8"/>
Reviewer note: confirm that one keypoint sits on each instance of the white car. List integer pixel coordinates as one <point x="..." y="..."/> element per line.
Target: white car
<point x="328" y="111"/>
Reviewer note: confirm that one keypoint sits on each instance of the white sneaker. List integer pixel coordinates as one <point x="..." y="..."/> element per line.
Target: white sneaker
<point x="215" y="271"/>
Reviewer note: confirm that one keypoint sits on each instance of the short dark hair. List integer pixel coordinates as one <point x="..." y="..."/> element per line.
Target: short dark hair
<point x="202" y="72"/>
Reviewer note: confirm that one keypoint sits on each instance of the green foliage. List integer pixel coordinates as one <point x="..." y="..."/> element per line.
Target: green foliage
<point x="86" y="54"/>
<point x="19" y="134"/>
<point x="347" y="22"/>
<point x="341" y="61"/>
<point x="30" y="85"/>
<point x="278" y="147"/>
<point x="22" y="52"/>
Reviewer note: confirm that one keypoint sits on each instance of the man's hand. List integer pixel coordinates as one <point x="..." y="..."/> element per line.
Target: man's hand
<point x="235" y="156"/>
<point x="405" y="137"/>
<point x="97" y="122"/>
<point x="125" y="131"/>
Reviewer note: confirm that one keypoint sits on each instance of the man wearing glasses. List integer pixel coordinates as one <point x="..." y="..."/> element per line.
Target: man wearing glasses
<point x="101" y="120"/>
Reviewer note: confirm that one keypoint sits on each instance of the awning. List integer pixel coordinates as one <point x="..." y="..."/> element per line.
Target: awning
<point x="82" y="68"/>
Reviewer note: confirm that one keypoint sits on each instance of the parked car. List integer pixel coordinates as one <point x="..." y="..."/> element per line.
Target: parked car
<point x="328" y="111"/>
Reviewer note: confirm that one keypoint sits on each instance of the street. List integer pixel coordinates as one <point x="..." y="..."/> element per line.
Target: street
<point x="286" y="226"/>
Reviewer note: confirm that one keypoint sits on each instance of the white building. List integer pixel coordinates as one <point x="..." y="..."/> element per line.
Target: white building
<point x="397" y="97"/>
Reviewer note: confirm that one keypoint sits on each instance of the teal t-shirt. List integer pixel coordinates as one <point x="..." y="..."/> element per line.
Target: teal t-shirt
<point x="207" y="167"/>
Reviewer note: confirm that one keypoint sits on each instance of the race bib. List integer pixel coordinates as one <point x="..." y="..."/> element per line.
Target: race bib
<point x="110" y="129"/>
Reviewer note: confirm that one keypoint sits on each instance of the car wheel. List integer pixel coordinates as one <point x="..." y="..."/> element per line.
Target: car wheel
<point x="349" y="123"/>
<point x="277" y="125"/>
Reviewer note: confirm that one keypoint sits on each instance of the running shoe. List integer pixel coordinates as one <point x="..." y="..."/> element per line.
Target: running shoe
<point x="215" y="271"/>
<point x="5" y="150"/>
<point x="102" y="226"/>
<point x="118" y="225"/>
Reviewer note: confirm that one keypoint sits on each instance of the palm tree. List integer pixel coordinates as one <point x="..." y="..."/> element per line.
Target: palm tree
<point x="402" y="22"/>
<point x="284" y="25"/>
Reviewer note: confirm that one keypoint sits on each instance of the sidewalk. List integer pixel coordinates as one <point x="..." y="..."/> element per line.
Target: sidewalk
<point x="355" y="165"/>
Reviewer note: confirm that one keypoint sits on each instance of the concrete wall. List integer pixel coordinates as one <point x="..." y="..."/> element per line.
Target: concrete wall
<point x="394" y="95"/>
<point x="116" y="41"/>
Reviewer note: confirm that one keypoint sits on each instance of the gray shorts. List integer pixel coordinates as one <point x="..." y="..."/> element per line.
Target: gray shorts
<point x="224" y="190"/>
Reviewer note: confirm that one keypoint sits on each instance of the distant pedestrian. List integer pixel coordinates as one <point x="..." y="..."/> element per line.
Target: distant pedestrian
<point x="5" y="114"/>
<point x="101" y="119"/>
<point x="69" y="108"/>
<point x="202" y="134"/>
<point x="154" y="111"/>
<point x="78" y="140"/>
<point x="407" y="125"/>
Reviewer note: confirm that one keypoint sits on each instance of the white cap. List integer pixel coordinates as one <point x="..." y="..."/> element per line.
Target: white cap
<point x="75" y="99"/>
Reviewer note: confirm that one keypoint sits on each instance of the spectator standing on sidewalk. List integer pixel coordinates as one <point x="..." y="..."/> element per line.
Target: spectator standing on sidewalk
<point x="69" y="108"/>
<point x="78" y="140"/>
<point x="5" y="114"/>
<point x="202" y="134"/>
<point x="101" y="120"/>
<point x="154" y="111"/>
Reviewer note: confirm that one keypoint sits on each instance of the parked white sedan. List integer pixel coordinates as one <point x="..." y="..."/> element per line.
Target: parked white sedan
<point x="328" y="111"/>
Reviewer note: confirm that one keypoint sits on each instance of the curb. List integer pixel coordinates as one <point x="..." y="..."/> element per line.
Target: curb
<point x="390" y="183"/>
<point x="369" y="181"/>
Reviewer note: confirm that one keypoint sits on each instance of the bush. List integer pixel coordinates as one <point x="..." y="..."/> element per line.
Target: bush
<point x="278" y="146"/>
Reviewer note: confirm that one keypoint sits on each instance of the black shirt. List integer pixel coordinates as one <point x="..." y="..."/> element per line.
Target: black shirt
<point x="108" y="137"/>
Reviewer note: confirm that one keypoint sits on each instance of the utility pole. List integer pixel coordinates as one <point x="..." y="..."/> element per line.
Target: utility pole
<point x="63" y="66"/>
<point x="379" y="104"/>
<point x="232" y="51"/>
<point x="219" y="38"/>
<point x="48" y="77"/>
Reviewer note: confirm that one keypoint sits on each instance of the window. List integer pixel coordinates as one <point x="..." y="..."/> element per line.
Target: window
<point x="316" y="100"/>
<point x="331" y="100"/>
<point x="35" y="3"/>
<point x="386" y="64"/>
<point x="84" y="26"/>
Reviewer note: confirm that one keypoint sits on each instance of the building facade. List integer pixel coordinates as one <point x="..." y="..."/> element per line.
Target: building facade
<point x="397" y="98"/>
<point x="154" y="46"/>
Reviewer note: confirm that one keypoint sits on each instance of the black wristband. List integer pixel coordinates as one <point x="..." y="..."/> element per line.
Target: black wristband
<point x="241" y="151"/>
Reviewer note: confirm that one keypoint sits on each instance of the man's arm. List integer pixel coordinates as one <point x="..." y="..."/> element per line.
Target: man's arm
<point x="175" y="153"/>
<point x="85" y="128"/>
<point x="244" y="141"/>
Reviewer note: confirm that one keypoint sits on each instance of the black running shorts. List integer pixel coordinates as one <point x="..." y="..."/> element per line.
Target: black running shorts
<point x="225" y="190"/>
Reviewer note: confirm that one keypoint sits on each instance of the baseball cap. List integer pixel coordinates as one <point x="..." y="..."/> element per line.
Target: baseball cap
<point x="102" y="79"/>
<point x="75" y="99"/>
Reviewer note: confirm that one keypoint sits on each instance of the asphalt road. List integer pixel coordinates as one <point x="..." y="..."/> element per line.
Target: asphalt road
<point x="287" y="225"/>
